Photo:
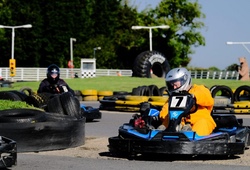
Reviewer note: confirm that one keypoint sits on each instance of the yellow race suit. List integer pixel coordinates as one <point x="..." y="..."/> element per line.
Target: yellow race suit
<point x="201" y="120"/>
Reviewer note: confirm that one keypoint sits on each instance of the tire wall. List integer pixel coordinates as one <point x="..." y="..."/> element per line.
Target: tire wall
<point x="150" y="61"/>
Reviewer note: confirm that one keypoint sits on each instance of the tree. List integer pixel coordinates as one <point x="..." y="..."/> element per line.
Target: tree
<point x="183" y="18"/>
<point x="233" y="67"/>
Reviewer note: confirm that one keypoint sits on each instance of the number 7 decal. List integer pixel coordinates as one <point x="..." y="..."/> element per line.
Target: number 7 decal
<point x="178" y="101"/>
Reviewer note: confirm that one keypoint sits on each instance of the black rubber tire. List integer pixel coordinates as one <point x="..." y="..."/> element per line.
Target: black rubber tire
<point x="54" y="105"/>
<point x="150" y="60"/>
<point x="58" y="132"/>
<point x="27" y="91"/>
<point x="55" y="117"/>
<point x="39" y="100"/>
<point x="212" y="88"/>
<point x="145" y="91"/>
<point x="238" y="97"/>
<point x="22" y="116"/>
<point x="70" y="105"/>
<point x="136" y="91"/>
<point x="154" y="90"/>
<point x="163" y="90"/>
<point x="121" y="93"/>
<point x="22" y="95"/>
<point x="225" y="91"/>
<point x="7" y="95"/>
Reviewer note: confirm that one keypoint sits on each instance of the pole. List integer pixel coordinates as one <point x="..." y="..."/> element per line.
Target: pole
<point x="12" y="43"/>
<point x="150" y="32"/>
<point x="150" y="39"/>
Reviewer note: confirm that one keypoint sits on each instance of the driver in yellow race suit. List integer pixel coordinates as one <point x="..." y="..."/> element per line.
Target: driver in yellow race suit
<point x="201" y="121"/>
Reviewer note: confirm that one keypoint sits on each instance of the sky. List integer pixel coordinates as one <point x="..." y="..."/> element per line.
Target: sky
<point x="226" y="21"/>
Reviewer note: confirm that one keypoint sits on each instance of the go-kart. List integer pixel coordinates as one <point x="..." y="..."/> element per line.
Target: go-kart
<point x="141" y="136"/>
<point x="90" y="113"/>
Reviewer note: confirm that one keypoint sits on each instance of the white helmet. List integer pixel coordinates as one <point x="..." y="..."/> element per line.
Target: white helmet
<point x="178" y="74"/>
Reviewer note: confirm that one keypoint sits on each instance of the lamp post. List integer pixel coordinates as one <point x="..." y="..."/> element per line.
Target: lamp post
<point x="71" y="62"/>
<point x="71" y="49"/>
<point x="241" y="43"/>
<point x="96" y="48"/>
<point x="150" y="31"/>
<point x="13" y="35"/>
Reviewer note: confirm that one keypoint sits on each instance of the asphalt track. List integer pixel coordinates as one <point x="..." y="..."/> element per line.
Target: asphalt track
<point x="107" y="127"/>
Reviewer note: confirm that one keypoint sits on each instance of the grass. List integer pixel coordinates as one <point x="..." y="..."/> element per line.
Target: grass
<point x="114" y="83"/>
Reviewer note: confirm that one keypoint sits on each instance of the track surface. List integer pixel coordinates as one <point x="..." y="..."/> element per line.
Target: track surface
<point x="94" y="153"/>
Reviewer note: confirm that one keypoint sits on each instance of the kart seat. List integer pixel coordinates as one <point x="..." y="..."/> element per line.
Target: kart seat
<point x="226" y="120"/>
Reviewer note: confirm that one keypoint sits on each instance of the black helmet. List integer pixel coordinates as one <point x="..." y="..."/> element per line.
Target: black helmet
<point x="53" y="69"/>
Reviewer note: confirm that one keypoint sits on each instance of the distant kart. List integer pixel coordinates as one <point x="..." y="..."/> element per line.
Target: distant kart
<point x="140" y="135"/>
<point x="90" y="113"/>
<point x="8" y="152"/>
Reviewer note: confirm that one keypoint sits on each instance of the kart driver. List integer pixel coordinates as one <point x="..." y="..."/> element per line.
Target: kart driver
<point x="53" y="84"/>
<point x="201" y="121"/>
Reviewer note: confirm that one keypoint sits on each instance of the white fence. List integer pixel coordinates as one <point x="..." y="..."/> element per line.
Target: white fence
<point x="37" y="74"/>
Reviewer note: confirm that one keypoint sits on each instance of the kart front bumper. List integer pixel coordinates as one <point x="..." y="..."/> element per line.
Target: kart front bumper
<point x="137" y="146"/>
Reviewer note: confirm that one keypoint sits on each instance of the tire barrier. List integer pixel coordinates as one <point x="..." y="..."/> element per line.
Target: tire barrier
<point x="8" y="95"/>
<point x="22" y="116"/>
<point x="102" y="94"/>
<point x="26" y="90"/>
<point x="130" y="103"/>
<point x="39" y="100"/>
<point x="55" y="132"/>
<point x="149" y="61"/>
<point x="242" y="93"/>
<point x="64" y="104"/>
<point x="89" y="95"/>
<point x="222" y="95"/>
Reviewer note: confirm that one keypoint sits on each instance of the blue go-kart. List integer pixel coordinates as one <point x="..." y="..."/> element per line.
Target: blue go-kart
<point x="141" y="136"/>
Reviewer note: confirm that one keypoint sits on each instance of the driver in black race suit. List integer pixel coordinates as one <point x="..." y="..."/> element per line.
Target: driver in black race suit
<point x="53" y="84"/>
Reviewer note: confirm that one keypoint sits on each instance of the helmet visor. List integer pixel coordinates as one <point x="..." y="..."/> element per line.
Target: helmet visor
<point x="176" y="83"/>
<point x="54" y="72"/>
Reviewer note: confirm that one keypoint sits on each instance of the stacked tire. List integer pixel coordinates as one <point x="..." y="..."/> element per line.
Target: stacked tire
<point x="55" y="123"/>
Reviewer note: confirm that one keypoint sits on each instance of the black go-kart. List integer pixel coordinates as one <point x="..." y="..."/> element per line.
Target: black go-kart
<point x="141" y="136"/>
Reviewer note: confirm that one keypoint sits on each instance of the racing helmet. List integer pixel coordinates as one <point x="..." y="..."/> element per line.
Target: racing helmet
<point x="52" y="70"/>
<point x="178" y="74"/>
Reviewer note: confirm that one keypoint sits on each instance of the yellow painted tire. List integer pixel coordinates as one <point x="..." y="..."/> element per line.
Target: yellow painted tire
<point x="241" y="110"/>
<point x="89" y="98"/>
<point x="136" y="98"/>
<point x="158" y="99"/>
<point x="157" y="103"/>
<point x="89" y="92"/>
<point x="245" y="105"/>
<point x="105" y="93"/>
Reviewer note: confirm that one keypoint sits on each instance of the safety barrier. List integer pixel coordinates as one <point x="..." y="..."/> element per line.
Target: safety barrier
<point x="37" y="74"/>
